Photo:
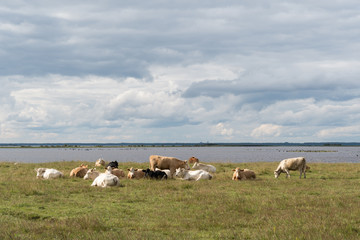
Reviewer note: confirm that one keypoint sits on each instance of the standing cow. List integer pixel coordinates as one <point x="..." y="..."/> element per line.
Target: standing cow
<point x="170" y="163"/>
<point x="285" y="165"/>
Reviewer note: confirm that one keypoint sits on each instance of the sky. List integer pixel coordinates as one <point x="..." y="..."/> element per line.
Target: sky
<point x="179" y="71"/>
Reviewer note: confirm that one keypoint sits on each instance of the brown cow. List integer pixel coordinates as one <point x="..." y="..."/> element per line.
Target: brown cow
<point x="242" y="174"/>
<point x="193" y="160"/>
<point x="135" y="173"/>
<point x="79" y="171"/>
<point x="170" y="163"/>
<point x="118" y="172"/>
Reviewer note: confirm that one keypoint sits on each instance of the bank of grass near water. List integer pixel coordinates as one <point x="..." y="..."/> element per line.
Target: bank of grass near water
<point x="326" y="205"/>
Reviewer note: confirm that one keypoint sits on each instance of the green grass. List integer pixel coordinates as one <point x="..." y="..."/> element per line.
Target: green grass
<point x="326" y="205"/>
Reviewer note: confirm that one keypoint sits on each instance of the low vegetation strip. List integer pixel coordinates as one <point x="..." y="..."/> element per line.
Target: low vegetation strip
<point x="325" y="205"/>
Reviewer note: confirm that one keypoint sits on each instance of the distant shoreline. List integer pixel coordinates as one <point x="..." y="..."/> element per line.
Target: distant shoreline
<point x="126" y="145"/>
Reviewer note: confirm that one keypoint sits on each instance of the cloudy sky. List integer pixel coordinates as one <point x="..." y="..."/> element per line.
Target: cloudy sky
<point x="179" y="71"/>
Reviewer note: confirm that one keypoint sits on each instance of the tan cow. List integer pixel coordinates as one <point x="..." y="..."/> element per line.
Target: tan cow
<point x="242" y="174"/>
<point x="135" y="173"/>
<point x="170" y="163"/>
<point x="79" y="171"/>
<point x="288" y="164"/>
<point x="100" y="163"/>
<point x="117" y="172"/>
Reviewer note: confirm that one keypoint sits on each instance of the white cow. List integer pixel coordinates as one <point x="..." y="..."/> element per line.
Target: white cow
<point x="91" y="174"/>
<point x="192" y="175"/>
<point x="106" y="179"/>
<point x="206" y="167"/>
<point x="285" y="165"/>
<point x="48" y="173"/>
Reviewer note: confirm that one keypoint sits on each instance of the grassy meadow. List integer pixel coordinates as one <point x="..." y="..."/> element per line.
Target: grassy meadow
<point x="326" y="205"/>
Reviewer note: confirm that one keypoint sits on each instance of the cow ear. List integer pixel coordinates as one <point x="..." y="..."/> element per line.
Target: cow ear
<point x="234" y="170"/>
<point x="128" y="169"/>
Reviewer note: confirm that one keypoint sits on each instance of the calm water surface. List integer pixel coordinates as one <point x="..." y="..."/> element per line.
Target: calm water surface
<point x="205" y="154"/>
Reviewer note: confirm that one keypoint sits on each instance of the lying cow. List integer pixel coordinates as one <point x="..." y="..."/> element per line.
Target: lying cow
<point x="206" y="167"/>
<point x="167" y="171"/>
<point x="192" y="175"/>
<point x="242" y="174"/>
<point x="135" y="173"/>
<point x="113" y="164"/>
<point x="170" y="163"/>
<point x="100" y="162"/>
<point x="79" y="171"/>
<point x="193" y="160"/>
<point x="117" y="172"/>
<point x="285" y="165"/>
<point x="48" y="173"/>
<point x="160" y="175"/>
<point x="106" y="180"/>
<point x="91" y="174"/>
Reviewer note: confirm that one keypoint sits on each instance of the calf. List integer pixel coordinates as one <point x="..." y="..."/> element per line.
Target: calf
<point x="192" y="175"/>
<point x="285" y="165"/>
<point x="242" y="174"/>
<point x="206" y="167"/>
<point x="48" y="173"/>
<point x="135" y="173"/>
<point x="155" y="174"/>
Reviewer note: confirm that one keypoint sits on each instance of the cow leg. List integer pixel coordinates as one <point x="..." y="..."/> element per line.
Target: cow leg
<point x="200" y="177"/>
<point x="172" y="172"/>
<point x="287" y="173"/>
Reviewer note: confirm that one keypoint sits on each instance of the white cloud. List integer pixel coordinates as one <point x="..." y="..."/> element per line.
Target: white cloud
<point x="266" y="130"/>
<point x="349" y="132"/>
<point x="220" y="129"/>
<point x="157" y="71"/>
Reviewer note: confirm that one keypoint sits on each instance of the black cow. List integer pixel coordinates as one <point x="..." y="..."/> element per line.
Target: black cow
<point x="113" y="164"/>
<point x="155" y="174"/>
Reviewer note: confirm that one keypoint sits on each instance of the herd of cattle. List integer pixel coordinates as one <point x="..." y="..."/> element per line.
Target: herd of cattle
<point x="163" y="168"/>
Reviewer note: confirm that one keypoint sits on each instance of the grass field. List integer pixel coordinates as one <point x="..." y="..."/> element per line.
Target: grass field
<point x="326" y="205"/>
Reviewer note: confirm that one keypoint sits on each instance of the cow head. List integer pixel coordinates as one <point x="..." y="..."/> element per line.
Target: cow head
<point x="180" y="172"/>
<point x="40" y="172"/>
<point x="131" y="172"/>
<point x="277" y="173"/>
<point x="185" y="165"/>
<point x="91" y="173"/>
